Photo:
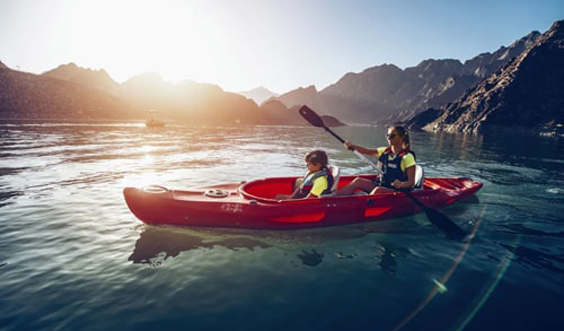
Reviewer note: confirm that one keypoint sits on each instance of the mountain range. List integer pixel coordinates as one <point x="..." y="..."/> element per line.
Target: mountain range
<point x="30" y="96"/>
<point x="70" y="92"/>
<point x="386" y="94"/>
<point x="519" y="85"/>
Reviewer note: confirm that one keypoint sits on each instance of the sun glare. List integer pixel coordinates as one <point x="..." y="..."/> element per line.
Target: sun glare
<point x="173" y="38"/>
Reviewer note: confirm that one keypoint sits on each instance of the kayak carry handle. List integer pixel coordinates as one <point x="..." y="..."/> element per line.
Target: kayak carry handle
<point x="155" y="189"/>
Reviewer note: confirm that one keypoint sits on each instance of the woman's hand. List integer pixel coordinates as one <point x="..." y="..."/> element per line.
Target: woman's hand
<point x="349" y="145"/>
<point x="397" y="184"/>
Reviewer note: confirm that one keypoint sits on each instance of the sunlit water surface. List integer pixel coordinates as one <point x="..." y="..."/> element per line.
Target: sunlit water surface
<point x="73" y="257"/>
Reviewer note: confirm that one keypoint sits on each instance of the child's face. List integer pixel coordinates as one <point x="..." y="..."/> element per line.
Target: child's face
<point x="313" y="167"/>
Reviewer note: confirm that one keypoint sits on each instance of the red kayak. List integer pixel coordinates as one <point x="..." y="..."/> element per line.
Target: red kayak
<point x="252" y="204"/>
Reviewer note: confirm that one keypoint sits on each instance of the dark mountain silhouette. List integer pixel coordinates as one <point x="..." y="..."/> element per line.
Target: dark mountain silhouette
<point x="259" y="94"/>
<point x="191" y="101"/>
<point x="29" y="96"/>
<point x="277" y="112"/>
<point x="385" y="94"/>
<point x="302" y="96"/>
<point x="99" y="79"/>
<point x="72" y="92"/>
<point x="527" y="92"/>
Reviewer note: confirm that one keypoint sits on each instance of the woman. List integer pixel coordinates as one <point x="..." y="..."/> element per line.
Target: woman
<point x="396" y="161"/>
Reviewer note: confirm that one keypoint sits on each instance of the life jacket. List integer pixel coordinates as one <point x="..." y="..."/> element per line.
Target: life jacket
<point x="391" y="169"/>
<point x="309" y="178"/>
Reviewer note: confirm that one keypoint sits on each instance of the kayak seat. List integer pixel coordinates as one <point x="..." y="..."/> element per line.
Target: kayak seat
<point x="336" y="172"/>
<point x="419" y="177"/>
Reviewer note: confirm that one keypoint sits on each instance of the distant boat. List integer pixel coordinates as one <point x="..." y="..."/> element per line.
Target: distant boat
<point x="152" y="122"/>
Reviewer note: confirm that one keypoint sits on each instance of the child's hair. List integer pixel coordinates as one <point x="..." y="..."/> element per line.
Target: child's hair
<point x="403" y="133"/>
<point x="317" y="157"/>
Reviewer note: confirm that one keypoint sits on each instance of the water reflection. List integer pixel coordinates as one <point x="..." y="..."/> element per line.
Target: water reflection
<point x="311" y="258"/>
<point x="536" y="259"/>
<point x="157" y="244"/>
<point x="389" y="252"/>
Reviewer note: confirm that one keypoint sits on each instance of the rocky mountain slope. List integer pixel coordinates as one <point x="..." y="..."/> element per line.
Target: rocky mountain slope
<point x="528" y="92"/>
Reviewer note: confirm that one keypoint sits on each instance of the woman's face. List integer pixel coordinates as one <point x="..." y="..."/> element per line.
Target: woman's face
<point x="392" y="136"/>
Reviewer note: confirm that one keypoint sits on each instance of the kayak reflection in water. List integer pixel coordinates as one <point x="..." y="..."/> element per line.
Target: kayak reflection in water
<point x="397" y="163"/>
<point x="316" y="182"/>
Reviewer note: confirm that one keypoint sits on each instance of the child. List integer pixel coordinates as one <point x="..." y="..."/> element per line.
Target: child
<point x="316" y="182"/>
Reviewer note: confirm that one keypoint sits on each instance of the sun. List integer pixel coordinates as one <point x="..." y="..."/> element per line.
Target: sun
<point x="177" y="39"/>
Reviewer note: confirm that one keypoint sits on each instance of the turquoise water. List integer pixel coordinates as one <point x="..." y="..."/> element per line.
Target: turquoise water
<point x="72" y="256"/>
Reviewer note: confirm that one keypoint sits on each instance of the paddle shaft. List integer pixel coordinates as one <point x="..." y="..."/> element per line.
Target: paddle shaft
<point x="359" y="154"/>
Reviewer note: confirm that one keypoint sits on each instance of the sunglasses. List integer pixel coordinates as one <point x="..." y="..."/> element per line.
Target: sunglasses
<point x="390" y="136"/>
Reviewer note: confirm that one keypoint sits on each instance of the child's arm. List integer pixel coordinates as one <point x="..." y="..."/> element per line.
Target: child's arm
<point x="295" y="193"/>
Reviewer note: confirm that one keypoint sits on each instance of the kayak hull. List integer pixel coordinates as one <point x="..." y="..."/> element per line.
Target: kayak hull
<point x="252" y="205"/>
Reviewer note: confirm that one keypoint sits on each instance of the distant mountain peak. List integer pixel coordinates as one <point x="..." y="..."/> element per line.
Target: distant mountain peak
<point x="528" y="40"/>
<point x="386" y="67"/>
<point x="259" y="89"/>
<point x="302" y="96"/>
<point x="259" y="94"/>
<point x="99" y="79"/>
<point x="433" y="64"/>
<point x="310" y="88"/>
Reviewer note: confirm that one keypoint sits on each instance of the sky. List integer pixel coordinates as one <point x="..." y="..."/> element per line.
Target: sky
<point x="243" y="44"/>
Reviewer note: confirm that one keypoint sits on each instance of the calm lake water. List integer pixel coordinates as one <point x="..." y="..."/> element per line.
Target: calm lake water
<point x="73" y="257"/>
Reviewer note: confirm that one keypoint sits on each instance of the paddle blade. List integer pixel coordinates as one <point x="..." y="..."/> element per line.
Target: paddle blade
<point x="444" y="223"/>
<point x="311" y="116"/>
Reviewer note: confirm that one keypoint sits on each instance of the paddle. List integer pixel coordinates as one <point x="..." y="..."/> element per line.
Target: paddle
<point x="437" y="218"/>
<point x="317" y="121"/>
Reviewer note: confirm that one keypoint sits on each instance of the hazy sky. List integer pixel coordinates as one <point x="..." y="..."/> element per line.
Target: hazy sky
<point x="242" y="44"/>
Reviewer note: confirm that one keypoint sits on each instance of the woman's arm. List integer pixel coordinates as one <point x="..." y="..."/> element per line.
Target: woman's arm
<point x="363" y="150"/>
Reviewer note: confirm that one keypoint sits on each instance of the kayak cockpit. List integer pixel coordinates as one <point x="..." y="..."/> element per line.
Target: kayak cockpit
<point x="267" y="189"/>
